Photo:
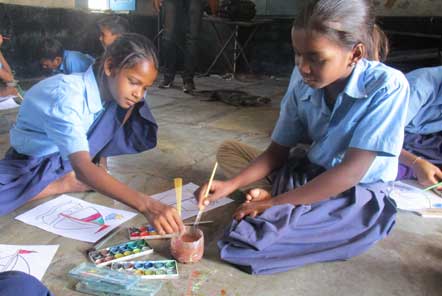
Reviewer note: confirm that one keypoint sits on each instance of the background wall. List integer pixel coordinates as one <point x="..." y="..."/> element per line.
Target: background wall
<point x="270" y="51"/>
<point x="383" y="7"/>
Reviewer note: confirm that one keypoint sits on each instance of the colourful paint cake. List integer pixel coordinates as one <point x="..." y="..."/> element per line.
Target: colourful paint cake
<point x="122" y="252"/>
<point x="154" y="269"/>
<point x="146" y="232"/>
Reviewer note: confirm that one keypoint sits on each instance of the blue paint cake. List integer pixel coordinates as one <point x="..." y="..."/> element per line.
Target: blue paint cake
<point x="121" y="252"/>
<point x="153" y="269"/>
<point x="146" y="232"/>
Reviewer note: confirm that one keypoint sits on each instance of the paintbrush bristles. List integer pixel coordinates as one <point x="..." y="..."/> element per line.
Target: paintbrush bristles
<point x="206" y="194"/>
<point x="178" y="182"/>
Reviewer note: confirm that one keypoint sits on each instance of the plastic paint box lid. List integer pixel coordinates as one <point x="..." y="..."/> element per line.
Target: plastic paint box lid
<point x="94" y="275"/>
<point x="142" y="288"/>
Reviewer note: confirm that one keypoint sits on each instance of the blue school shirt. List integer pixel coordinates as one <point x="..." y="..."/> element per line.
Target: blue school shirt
<point x="75" y="62"/>
<point x="56" y="115"/>
<point x="425" y="108"/>
<point x="369" y="114"/>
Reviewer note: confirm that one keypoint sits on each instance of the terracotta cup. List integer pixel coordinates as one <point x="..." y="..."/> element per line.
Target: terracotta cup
<point x="188" y="247"/>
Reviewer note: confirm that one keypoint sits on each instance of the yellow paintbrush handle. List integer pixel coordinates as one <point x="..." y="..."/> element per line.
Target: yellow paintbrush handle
<point x="179" y="193"/>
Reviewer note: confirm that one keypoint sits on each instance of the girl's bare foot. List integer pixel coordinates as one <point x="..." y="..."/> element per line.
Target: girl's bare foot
<point x="72" y="184"/>
<point x="257" y="194"/>
<point x="66" y="184"/>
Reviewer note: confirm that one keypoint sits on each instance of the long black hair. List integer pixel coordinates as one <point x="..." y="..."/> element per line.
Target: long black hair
<point x="347" y="22"/>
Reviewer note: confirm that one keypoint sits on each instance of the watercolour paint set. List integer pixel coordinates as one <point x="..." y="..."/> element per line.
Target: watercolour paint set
<point x="142" y="288"/>
<point x="121" y="252"/>
<point x="153" y="269"/>
<point x="87" y="272"/>
<point x="146" y="232"/>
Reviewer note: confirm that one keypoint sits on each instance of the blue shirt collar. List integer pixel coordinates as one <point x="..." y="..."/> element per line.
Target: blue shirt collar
<point x="93" y="97"/>
<point x="355" y="87"/>
<point x="61" y="67"/>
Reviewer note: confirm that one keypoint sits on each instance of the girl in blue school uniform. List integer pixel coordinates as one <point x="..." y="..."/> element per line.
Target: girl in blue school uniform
<point x="333" y="204"/>
<point x="421" y="156"/>
<point x="68" y="122"/>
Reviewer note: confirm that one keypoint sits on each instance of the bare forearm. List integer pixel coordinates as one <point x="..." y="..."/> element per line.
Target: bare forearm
<point x="332" y="182"/>
<point x="407" y="158"/>
<point x="324" y="186"/>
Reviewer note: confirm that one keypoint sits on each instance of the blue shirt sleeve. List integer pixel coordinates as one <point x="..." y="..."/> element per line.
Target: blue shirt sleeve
<point x="289" y="128"/>
<point x="63" y="124"/>
<point x="382" y="128"/>
<point x="77" y="62"/>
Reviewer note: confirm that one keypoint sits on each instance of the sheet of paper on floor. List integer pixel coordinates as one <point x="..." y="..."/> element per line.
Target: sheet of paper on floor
<point x="75" y="218"/>
<point x="189" y="206"/>
<point x="8" y="103"/>
<point x="409" y="196"/>
<point x="31" y="259"/>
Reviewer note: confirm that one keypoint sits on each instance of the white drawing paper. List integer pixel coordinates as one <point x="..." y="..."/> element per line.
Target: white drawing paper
<point x="30" y="259"/>
<point x="409" y="196"/>
<point x="75" y="218"/>
<point x="189" y="205"/>
<point x="8" y="103"/>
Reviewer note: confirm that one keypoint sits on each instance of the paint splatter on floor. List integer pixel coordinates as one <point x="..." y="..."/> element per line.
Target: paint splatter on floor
<point x="196" y="280"/>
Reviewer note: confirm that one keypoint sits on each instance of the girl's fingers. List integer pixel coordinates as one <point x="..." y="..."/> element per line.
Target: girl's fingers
<point x="172" y="223"/>
<point x="179" y="224"/>
<point x="255" y="193"/>
<point x="158" y="227"/>
<point x="167" y="228"/>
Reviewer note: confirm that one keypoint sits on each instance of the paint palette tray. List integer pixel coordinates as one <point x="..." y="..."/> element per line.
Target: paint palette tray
<point x="142" y="288"/>
<point x="95" y="275"/>
<point x="146" y="232"/>
<point x="153" y="269"/>
<point x="121" y="252"/>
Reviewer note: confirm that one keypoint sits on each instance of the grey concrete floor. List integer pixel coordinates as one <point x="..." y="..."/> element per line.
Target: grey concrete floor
<point x="408" y="262"/>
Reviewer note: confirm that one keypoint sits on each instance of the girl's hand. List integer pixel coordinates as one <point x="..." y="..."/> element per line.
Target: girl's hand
<point x="252" y="208"/>
<point x="1" y="40"/>
<point x="427" y="173"/>
<point x="218" y="190"/>
<point x="257" y="194"/>
<point x="164" y="218"/>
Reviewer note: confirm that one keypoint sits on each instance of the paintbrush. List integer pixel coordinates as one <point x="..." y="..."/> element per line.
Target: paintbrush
<point x="200" y="222"/>
<point x="432" y="186"/>
<point x="178" y="182"/>
<point x="105" y="239"/>
<point x="206" y="194"/>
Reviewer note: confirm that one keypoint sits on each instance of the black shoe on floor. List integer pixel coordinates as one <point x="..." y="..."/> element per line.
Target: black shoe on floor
<point x="188" y="86"/>
<point x="166" y="83"/>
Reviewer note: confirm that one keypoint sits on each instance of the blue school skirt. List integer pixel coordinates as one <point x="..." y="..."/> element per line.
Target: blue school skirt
<point x="287" y="236"/>
<point x="22" y="177"/>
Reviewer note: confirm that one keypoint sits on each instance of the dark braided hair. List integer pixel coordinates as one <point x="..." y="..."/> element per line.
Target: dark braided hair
<point x="347" y="22"/>
<point x="125" y="52"/>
